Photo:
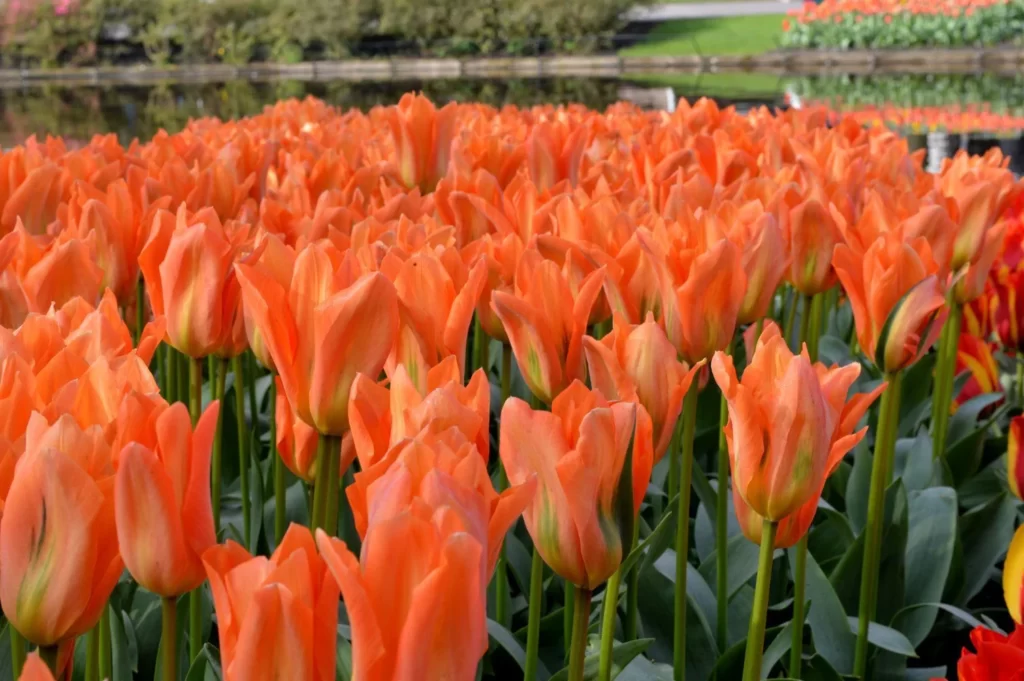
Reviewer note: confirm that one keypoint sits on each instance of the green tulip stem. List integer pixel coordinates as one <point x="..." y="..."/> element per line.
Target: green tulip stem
<point x="280" y="497"/>
<point x="608" y="611"/>
<point x="945" y="372"/>
<point x="243" y="445"/>
<point x="580" y="626"/>
<point x="501" y="595"/>
<point x="630" y="628"/>
<point x="169" y="659"/>
<point x="759" y="612"/>
<point x="320" y="484"/>
<point x="330" y="521"/>
<point x="92" y="654"/>
<point x="689" y="428"/>
<point x="17" y="650"/>
<point x="722" y="528"/>
<point x="533" y="622"/>
<point x="140" y="309"/>
<point x="217" y="462"/>
<point x="881" y="472"/>
<point x="106" y="661"/>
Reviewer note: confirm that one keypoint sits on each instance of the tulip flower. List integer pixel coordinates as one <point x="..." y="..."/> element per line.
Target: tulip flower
<point x="997" y="656"/>
<point x="322" y="330"/>
<point x="435" y="316"/>
<point x="278" y="616"/>
<point x="422" y="137"/>
<point x="1014" y="471"/>
<point x="381" y="418"/>
<point x="638" y="363"/>
<point x="975" y="356"/>
<point x="790" y="424"/>
<point x="812" y="237"/>
<point x="277" y="259"/>
<point x="296" y="439"/>
<point x="1007" y="308"/>
<point x="502" y="259"/>
<point x="162" y="502"/>
<point x="57" y="534"/>
<point x="440" y="586"/>
<point x="35" y="669"/>
<point x="188" y="265"/>
<point x="896" y="297"/>
<point x="579" y="451"/>
<point x="545" y="323"/>
<point x="1013" y="577"/>
<point x="435" y="467"/>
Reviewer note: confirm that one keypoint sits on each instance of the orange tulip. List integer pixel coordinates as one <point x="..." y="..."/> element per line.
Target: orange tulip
<point x="638" y="363"/>
<point x="439" y="468"/>
<point x="581" y="519"/>
<point x="277" y="259"/>
<point x="35" y="669"/>
<point x="278" y="616"/>
<point x="422" y="137"/>
<point x="435" y="315"/>
<point x="765" y="262"/>
<point x="896" y="297"/>
<point x="162" y="502"/>
<point x="545" y="323"/>
<point x="57" y="534"/>
<point x="422" y="618"/>
<point x="812" y="236"/>
<point x="501" y="256"/>
<point x="381" y="418"/>
<point x="328" y="326"/>
<point x="701" y="294"/>
<point x="790" y="426"/>
<point x="188" y="265"/>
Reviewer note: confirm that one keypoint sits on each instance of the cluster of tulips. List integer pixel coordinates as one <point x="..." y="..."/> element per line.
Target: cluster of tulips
<point x="903" y="23"/>
<point x="372" y="273"/>
<point x="923" y="119"/>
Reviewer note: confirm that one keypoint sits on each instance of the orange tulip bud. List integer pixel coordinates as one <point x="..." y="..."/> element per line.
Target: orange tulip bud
<point x="440" y="583"/>
<point x="545" y="323"/>
<point x="593" y="461"/>
<point x="896" y="297"/>
<point x="638" y="363"/>
<point x="789" y="426"/>
<point x="328" y="326"/>
<point x="277" y="616"/>
<point x="57" y="534"/>
<point x="188" y="265"/>
<point x="162" y="502"/>
<point x="439" y="468"/>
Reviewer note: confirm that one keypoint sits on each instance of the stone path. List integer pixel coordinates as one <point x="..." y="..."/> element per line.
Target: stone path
<point x="707" y="10"/>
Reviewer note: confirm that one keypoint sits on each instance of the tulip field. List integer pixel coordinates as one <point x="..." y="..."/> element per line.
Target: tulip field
<point x="460" y="393"/>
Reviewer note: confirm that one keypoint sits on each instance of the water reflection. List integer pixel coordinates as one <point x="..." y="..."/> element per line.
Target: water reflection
<point x="938" y="113"/>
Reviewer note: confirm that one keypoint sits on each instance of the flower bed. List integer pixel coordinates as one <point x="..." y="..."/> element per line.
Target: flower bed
<point x="467" y="368"/>
<point x="860" y="24"/>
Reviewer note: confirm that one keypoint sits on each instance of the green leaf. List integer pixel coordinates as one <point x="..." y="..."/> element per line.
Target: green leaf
<point x="886" y="638"/>
<point x="830" y="629"/>
<point x="983" y="535"/>
<point x="504" y="638"/>
<point x="255" y="502"/>
<point x="660" y="537"/>
<point x="120" y="654"/>
<point x="914" y="458"/>
<point x="962" y="615"/>
<point x="206" y="666"/>
<point x="6" y="671"/>
<point x="343" y="660"/>
<point x="741" y="556"/>
<point x="858" y="486"/>
<point x="775" y="650"/>
<point x="622" y="654"/>
<point x="929" y="554"/>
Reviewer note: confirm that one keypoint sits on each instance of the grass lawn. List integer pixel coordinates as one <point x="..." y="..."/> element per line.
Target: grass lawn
<point x="725" y="85"/>
<point x="718" y="36"/>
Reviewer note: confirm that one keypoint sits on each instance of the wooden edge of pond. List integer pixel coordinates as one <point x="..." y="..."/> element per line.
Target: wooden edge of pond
<point x="795" y="62"/>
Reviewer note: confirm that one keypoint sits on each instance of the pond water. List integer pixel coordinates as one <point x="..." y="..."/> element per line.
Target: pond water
<point x="940" y="113"/>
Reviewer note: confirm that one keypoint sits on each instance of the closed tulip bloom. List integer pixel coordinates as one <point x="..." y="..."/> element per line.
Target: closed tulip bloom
<point x="1013" y="576"/>
<point x="976" y="272"/>
<point x="1007" y="307"/>
<point x="188" y="265"/>
<point x="329" y="325"/>
<point x="421" y="618"/>
<point x="812" y="236"/>
<point x="897" y="298"/>
<point x="296" y="440"/>
<point x="422" y="137"/>
<point x="435" y="315"/>
<point x="764" y="260"/>
<point x="63" y="270"/>
<point x="439" y="467"/>
<point x="57" y="534"/>
<point x="501" y="256"/>
<point x="162" y="503"/>
<point x="638" y="363"/>
<point x="545" y="323"/>
<point x="975" y="356"/>
<point x="581" y="519"/>
<point x="277" y="617"/>
<point x="277" y="259"/>
<point x="790" y="425"/>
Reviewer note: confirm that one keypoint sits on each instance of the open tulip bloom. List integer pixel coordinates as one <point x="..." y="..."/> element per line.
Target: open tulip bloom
<point x="488" y="368"/>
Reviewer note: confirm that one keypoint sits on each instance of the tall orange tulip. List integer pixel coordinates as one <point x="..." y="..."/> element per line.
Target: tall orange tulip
<point x="327" y="326"/>
<point x="812" y="235"/>
<point x="188" y="265"/>
<point x="790" y="425"/>
<point x="296" y="439"/>
<point x="162" y="502"/>
<point x="637" y="362"/>
<point x="581" y="519"/>
<point x="57" y="534"/>
<point x="440" y="467"/>
<point x="545" y="323"/>
<point x="401" y="609"/>
<point x="896" y="295"/>
<point x="422" y="137"/>
<point x="278" y="616"/>
<point x="277" y="259"/>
